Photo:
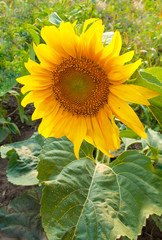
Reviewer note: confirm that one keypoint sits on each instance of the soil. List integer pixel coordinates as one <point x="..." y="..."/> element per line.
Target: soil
<point x="8" y="191"/>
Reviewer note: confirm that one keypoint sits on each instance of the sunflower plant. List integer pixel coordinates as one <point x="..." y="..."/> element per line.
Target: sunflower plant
<point x="80" y="91"/>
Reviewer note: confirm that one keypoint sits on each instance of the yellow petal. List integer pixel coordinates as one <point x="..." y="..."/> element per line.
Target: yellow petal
<point x="120" y="74"/>
<point x="47" y="56"/>
<point x="91" y="50"/>
<point x="95" y="28"/>
<point x="44" y="107"/>
<point x="102" y="149"/>
<point x="25" y="89"/>
<point x="70" y="45"/>
<point x="95" y="136"/>
<point x="126" y="114"/>
<point x="94" y="32"/>
<point x="87" y="22"/>
<point x="62" y="124"/>
<point x="113" y="49"/>
<point x="35" y="68"/>
<point x="117" y="61"/>
<point x="36" y="82"/>
<point x="36" y="96"/>
<point x="146" y="92"/>
<point x="50" y="120"/>
<point x="109" y="134"/>
<point x="129" y="93"/>
<point x="77" y="133"/>
<point x="27" y="99"/>
<point x="51" y="36"/>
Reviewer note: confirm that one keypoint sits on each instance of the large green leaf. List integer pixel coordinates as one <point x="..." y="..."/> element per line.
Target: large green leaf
<point x="87" y="200"/>
<point x="55" y="19"/>
<point x="155" y="71"/>
<point x="57" y="154"/>
<point x="21" y="219"/>
<point x="153" y="143"/>
<point x="4" y="131"/>
<point x="22" y="167"/>
<point x="151" y="78"/>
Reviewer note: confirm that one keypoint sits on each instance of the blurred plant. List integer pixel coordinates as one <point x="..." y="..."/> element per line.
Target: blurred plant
<point x="7" y="127"/>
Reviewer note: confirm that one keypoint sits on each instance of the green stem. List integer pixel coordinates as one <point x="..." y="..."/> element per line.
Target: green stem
<point x="100" y="157"/>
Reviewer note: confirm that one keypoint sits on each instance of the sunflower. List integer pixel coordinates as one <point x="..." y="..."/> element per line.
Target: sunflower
<point x="77" y="87"/>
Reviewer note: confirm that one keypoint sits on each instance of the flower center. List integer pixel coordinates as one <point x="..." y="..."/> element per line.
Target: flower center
<point x="80" y="86"/>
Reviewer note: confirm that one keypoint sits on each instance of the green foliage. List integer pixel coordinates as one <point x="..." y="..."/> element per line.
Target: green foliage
<point x="152" y="146"/>
<point x="128" y="133"/>
<point x="19" y="96"/>
<point x="139" y="24"/>
<point x="152" y="79"/>
<point x="21" y="219"/>
<point x="7" y="127"/>
<point x="60" y="151"/>
<point x="158" y="220"/>
<point x="55" y="19"/>
<point x="87" y="200"/>
<point x="23" y="160"/>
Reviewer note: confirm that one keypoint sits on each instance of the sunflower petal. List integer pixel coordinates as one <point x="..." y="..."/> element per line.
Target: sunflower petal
<point x="109" y="134"/>
<point x="120" y="74"/>
<point x="35" y="68"/>
<point x="95" y="136"/>
<point x="126" y="114"/>
<point x="113" y="49"/>
<point x="71" y="43"/>
<point x="78" y="133"/>
<point x="87" y="22"/>
<point x="25" y="89"/>
<point x="36" y="96"/>
<point x="35" y="82"/>
<point x="51" y="36"/>
<point x="50" y="120"/>
<point x="119" y="60"/>
<point x="129" y="93"/>
<point x="44" y="107"/>
<point x="146" y="92"/>
<point x="47" y="56"/>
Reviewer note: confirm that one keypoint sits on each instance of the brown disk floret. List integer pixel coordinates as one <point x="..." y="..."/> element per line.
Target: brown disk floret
<point x="80" y="86"/>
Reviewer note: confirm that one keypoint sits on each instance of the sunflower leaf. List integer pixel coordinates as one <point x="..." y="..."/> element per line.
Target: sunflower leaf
<point x="34" y="35"/>
<point x="151" y="78"/>
<point x="154" y="144"/>
<point x="23" y="160"/>
<point x="84" y="200"/>
<point x="55" y="19"/>
<point x="155" y="71"/>
<point x="57" y="154"/>
<point x="21" y="219"/>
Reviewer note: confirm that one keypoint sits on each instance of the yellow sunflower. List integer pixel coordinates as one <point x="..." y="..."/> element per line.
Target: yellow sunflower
<point x="77" y="87"/>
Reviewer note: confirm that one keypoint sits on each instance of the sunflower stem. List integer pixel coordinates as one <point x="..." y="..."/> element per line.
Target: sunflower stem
<point x="107" y="160"/>
<point x="99" y="156"/>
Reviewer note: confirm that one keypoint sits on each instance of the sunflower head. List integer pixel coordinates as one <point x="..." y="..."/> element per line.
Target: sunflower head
<point x="79" y="85"/>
